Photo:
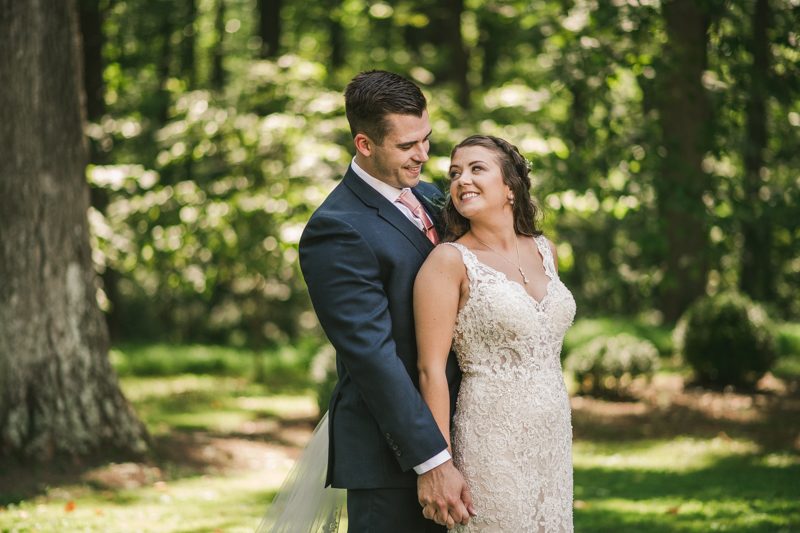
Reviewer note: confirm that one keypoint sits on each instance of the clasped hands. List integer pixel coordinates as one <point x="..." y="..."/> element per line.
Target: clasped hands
<point x="444" y="496"/>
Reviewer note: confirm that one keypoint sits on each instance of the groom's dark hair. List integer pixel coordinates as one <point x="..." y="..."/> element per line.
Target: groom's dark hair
<point x="372" y="95"/>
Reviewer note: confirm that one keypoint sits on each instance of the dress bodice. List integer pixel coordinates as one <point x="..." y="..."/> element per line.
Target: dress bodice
<point x="502" y="328"/>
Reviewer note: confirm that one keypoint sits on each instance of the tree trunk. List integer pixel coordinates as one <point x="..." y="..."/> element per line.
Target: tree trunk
<point x="338" y="38"/>
<point x="270" y="27"/>
<point x="450" y="27"/>
<point x="59" y="395"/>
<point x="756" y="279"/>
<point x="684" y="113"/>
<point x="217" y="72"/>
<point x="163" y="71"/>
<point x="188" y="56"/>
<point x="92" y="33"/>
<point x="92" y="37"/>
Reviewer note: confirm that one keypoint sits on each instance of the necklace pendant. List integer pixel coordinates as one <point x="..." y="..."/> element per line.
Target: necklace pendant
<point x="526" y="280"/>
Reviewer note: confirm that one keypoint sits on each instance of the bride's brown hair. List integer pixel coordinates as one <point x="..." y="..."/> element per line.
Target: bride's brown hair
<point x="514" y="170"/>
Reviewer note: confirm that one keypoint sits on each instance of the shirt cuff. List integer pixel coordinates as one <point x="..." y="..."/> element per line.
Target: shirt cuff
<point x="438" y="459"/>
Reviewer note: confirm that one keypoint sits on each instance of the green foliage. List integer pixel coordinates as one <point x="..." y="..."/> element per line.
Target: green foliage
<point x="606" y="366"/>
<point x="209" y="159"/>
<point x="586" y="329"/>
<point x="788" y="338"/>
<point x="727" y="339"/>
<point x="282" y="370"/>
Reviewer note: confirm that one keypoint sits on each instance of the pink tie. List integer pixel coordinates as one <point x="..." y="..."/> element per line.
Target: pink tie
<point x="408" y="199"/>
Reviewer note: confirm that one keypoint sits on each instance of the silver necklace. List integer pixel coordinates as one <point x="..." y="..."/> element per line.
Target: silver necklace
<point x="518" y="266"/>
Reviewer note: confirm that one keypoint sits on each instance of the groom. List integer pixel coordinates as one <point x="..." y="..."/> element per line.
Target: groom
<point x="360" y="254"/>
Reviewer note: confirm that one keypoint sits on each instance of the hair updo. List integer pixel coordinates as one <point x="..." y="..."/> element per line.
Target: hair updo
<point x="514" y="170"/>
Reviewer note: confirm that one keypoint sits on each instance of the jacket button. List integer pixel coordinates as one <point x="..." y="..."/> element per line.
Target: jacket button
<point x="398" y="453"/>
<point x="388" y="436"/>
<point x="391" y="441"/>
<point x="394" y="446"/>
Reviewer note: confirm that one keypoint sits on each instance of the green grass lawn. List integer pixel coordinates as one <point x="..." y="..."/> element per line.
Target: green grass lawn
<point x="677" y="461"/>
<point x="685" y="485"/>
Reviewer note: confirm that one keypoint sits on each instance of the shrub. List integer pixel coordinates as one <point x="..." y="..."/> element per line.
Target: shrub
<point x="606" y="366"/>
<point x="727" y="339"/>
<point x="324" y="376"/>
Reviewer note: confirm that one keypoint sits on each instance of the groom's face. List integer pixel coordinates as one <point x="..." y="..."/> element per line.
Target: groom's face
<point x="398" y="161"/>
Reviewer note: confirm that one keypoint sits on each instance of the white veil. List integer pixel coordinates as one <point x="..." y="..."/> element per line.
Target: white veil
<point x="303" y="504"/>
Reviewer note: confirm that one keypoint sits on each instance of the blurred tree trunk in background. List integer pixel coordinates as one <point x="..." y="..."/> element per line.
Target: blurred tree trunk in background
<point x="163" y="71"/>
<point x="59" y="395"/>
<point x="217" y="72"/>
<point x="337" y="36"/>
<point x="756" y="277"/>
<point x="189" y="32"/>
<point x="684" y="114"/>
<point x="449" y="27"/>
<point x="270" y="27"/>
<point x="92" y="32"/>
<point x="91" y="26"/>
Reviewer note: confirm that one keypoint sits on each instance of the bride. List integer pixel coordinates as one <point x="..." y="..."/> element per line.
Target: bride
<point x="494" y="295"/>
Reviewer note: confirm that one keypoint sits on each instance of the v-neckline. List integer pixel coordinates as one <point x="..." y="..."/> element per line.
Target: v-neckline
<point x="550" y="278"/>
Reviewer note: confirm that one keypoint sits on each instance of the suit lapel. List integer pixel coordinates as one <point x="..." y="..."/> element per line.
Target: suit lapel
<point x="388" y="212"/>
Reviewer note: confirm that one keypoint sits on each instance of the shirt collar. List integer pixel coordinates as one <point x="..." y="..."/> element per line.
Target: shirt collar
<point x="386" y="190"/>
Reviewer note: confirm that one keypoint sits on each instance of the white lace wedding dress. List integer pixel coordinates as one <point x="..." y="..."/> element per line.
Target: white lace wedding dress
<point x="512" y="431"/>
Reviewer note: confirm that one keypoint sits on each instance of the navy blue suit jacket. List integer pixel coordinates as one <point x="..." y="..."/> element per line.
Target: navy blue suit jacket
<point x="360" y="255"/>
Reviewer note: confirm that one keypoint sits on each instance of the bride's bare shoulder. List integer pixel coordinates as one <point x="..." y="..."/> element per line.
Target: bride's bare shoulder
<point x="444" y="259"/>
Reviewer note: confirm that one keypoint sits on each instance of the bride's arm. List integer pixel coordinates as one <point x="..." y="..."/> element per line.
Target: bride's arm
<point x="437" y="292"/>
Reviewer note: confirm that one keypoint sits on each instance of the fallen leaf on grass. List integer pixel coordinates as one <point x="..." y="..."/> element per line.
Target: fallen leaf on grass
<point x="98" y="512"/>
<point x="673" y="510"/>
<point x="580" y="504"/>
<point x="70" y="506"/>
<point x="160" y="485"/>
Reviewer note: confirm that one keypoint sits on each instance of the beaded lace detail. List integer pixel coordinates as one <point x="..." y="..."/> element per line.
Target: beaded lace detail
<point x="512" y="431"/>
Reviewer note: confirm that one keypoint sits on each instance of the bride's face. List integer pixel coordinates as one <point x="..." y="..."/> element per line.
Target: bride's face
<point x="476" y="183"/>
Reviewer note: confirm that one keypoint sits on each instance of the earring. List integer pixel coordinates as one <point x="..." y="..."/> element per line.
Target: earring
<point x="511" y="200"/>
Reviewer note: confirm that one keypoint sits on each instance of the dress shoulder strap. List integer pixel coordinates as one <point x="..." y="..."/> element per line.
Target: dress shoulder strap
<point x="547" y="256"/>
<point x="469" y="258"/>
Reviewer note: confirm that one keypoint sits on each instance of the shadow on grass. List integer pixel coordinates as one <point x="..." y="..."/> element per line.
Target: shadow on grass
<point x="774" y="427"/>
<point x="734" y="493"/>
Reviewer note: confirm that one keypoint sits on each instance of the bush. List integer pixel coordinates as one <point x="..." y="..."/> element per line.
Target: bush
<point x="606" y="365"/>
<point x="727" y="339"/>
<point x="324" y="376"/>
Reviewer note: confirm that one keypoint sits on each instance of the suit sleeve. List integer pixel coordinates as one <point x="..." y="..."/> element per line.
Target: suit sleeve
<point x="343" y="278"/>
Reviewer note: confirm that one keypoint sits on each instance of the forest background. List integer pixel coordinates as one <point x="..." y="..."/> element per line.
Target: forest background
<point x="663" y="139"/>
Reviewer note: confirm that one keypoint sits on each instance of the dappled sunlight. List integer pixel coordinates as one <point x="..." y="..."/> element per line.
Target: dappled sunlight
<point x="681" y="454"/>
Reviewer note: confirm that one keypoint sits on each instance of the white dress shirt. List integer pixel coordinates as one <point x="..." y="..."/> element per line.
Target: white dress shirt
<point x="392" y="194"/>
<point x="388" y="192"/>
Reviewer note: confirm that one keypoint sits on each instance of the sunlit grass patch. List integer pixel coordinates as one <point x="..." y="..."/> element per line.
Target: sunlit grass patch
<point x="687" y="515"/>
<point x="677" y="455"/>
<point x="199" y="504"/>
<point x="685" y="485"/>
<point x="283" y="369"/>
<point x="210" y="403"/>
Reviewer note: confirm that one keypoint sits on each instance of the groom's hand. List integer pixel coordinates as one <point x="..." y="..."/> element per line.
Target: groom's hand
<point x="444" y="496"/>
